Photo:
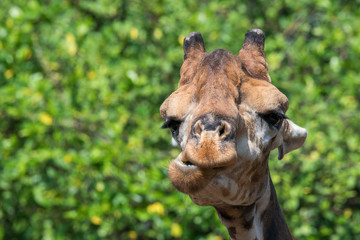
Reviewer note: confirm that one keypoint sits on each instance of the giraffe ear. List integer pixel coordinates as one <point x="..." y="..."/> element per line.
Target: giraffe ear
<point x="193" y="45"/>
<point x="293" y="138"/>
<point x="252" y="55"/>
<point x="194" y="50"/>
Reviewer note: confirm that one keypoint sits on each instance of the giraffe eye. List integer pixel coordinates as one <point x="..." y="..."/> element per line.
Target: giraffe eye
<point x="273" y="118"/>
<point x="173" y="125"/>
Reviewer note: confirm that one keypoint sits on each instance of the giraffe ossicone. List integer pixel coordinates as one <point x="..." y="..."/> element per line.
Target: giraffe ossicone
<point x="226" y="116"/>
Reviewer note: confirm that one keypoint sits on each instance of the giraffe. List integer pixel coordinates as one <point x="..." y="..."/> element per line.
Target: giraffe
<point x="226" y="116"/>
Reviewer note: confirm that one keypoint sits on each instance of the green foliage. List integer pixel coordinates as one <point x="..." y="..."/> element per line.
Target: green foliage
<point x="81" y="82"/>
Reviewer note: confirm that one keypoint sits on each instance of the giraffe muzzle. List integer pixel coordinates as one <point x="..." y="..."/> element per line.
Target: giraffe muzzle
<point x="211" y="145"/>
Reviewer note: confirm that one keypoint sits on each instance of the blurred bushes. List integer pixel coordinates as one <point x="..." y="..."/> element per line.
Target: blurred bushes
<point x="81" y="82"/>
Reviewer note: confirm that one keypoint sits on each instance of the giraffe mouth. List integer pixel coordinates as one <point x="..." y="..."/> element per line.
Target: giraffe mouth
<point x="183" y="162"/>
<point x="188" y="163"/>
<point x="188" y="177"/>
<point x="200" y="162"/>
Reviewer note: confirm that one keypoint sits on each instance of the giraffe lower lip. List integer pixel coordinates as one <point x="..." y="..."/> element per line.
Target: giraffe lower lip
<point x="188" y="178"/>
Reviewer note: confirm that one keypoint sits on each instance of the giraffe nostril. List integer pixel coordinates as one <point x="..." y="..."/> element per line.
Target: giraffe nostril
<point x="198" y="128"/>
<point x="225" y="131"/>
<point x="221" y="130"/>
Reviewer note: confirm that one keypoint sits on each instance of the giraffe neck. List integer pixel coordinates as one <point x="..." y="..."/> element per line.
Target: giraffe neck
<point x="262" y="220"/>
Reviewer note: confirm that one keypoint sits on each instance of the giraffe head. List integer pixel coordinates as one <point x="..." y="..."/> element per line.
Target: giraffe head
<point x="226" y="116"/>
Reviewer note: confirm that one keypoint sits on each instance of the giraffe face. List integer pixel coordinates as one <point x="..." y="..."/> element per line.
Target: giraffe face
<point x="226" y="116"/>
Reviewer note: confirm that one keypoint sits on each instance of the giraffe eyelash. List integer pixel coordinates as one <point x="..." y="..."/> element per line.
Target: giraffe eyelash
<point x="173" y="125"/>
<point x="273" y="118"/>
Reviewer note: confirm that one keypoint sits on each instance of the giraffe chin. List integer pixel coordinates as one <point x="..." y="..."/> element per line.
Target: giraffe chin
<point x="189" y="179"/>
